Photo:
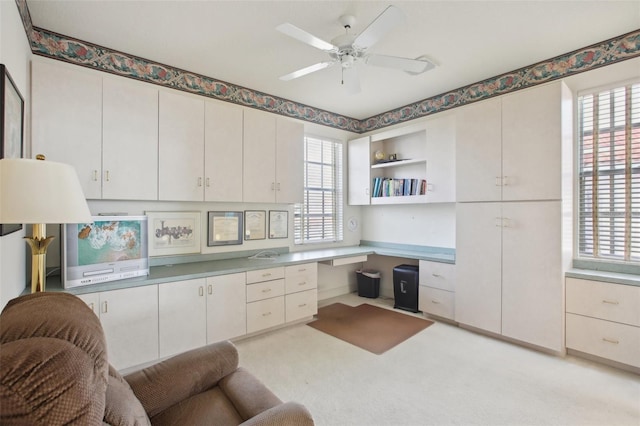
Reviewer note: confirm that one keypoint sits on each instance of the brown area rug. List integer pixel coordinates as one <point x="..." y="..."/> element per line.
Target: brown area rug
<point x="369" y="327"/>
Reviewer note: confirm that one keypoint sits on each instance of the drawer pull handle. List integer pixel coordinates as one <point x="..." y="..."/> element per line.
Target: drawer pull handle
<point x="266" y="314"/>
<point x="92" y="307"/>
<point x="302" y="283"/>
<point x="268" y="274"/>
<point x="105" y="307"/>
<point x="210" y="289"/>
<point x="611" y="302"/>
<point x="614" y="341"/>
<point x="266" y="290"/>
<point x="200" y="291"/>
<point x="302" y="306"/>
<point x="436" y="275"/>
<point x="302" y="270"/>
<point x="435" y="302"/>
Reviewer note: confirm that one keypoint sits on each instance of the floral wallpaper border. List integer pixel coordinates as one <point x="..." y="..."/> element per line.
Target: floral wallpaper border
<point x="78" y="52"/>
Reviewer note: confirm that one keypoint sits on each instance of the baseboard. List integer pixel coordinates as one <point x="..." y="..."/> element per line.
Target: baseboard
<point x="333" y="292"/>
<point x="605" y="361"/>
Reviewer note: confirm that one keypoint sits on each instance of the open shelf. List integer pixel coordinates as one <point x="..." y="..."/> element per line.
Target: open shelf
<point x="398" y="163"/>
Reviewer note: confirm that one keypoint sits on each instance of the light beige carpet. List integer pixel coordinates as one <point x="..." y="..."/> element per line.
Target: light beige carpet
<point x="369" y="327"/>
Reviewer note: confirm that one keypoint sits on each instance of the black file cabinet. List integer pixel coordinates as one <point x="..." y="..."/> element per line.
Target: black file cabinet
<point x="405" y="287"/>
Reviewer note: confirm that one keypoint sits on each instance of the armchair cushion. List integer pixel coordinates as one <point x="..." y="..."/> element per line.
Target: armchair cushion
<point x="122" y="406"/>
<point x="176" y="379"/>
<point x="53" y="367"/>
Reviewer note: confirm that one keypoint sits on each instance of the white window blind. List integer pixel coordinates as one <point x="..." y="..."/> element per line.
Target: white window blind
<point x="319" y="217"/>
<point x="609" y="174"/>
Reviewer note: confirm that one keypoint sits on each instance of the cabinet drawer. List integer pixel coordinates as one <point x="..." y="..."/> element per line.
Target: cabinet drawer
<point x="265" y="314"/>
<point x="265" y="290"/>
<point x="301" y="305"/>
<point x="606" y="339"/>
<point x="436" y="302"/>
<point x="437" y="275"/>
<point x="613" y="302"/>
<point x="310" y="269"/>
<point x="265" y="275"/>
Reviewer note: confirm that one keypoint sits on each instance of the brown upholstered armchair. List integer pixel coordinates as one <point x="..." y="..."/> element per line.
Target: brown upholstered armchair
<point x="54" y="370"/>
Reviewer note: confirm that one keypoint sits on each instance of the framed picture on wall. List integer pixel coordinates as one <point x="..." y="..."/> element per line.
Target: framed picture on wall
<point x="255" y="225"/>
<point x="225" y="228"/>
<point x="172" y="233"/>
<point x="11" y="127"/>
<point x="278" y="224"/>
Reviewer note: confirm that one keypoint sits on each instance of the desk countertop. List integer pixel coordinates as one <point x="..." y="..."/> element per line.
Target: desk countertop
<point x="186" y="271"/>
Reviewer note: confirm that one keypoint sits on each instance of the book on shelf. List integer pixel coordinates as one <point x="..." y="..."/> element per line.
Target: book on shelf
<point x="390" y="187"/>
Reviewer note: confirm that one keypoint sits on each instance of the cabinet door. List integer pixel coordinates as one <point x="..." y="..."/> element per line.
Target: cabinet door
<point x="479" y="152"/>
<point x="129" y="318"/>
<point x="265" y="314"/>
<point x="222" y="152"/>
<point x="478" y="298"/>
<point x="259" y="164"/>
<point x="441" y="159"/>
<point x="359" y="171"/>
<point x="532" y="290"/>
<point x="289" y="161"/>
<point x="66" y="122"/>
<point x="182" y="316"/>
<point x="129" y="140"/>
<point x="226" y="307"/>
<point x="532" y="144"/>
<point x="181" y="148"/>
<point x="92" y="300"/>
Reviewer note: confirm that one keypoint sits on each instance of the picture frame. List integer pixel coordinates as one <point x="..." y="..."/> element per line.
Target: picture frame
<point x="255" y="225"/>
<point x="173" y="233"/>
<point x="278" y="224"/>
<point x="11" y="128"/>
<point x="225" y="228"/>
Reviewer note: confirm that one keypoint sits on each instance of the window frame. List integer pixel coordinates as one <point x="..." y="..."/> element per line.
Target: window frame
<point x="300" y="229"/>
<point x="582" y="256"/>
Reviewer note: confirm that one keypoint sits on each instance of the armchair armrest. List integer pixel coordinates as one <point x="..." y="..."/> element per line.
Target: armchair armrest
<point x="168" y="382"/>
<point x="290" y="413"/>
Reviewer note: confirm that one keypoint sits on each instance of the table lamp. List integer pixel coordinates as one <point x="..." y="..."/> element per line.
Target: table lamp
<point x="40" y="192"/>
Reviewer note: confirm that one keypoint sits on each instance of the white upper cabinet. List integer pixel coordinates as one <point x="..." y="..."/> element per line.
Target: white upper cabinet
<point x="273" y="155"/>
<point x="440" y="155"/>
<point x="359" y="160"/>
<point x="479" y="151"/>
<point x="129" y="140"/>
<point x="510" y="148"/>
<point x="181" y="147"/>
<point x="259" y="157"/>
<point x="66" y="121"/>
<point x="289" y="161"/>
<point x="223" y="152"/>
<point x="532" y="144"/>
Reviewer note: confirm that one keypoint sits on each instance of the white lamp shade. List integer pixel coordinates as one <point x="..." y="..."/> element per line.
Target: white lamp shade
<point x="40" y="191"/>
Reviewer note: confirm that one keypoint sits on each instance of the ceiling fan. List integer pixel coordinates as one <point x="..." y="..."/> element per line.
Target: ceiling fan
<point x="347" y="49"/>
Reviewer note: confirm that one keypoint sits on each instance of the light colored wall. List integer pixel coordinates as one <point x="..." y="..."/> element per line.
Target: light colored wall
<point x="16" y="55"/>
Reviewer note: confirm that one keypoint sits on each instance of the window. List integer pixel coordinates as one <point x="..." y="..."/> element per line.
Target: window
<point x="609" y="174"/>
<point x="319" y="217"/>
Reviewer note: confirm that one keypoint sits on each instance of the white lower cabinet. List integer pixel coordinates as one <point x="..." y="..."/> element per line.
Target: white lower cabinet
<point x="129" y="318"/>
<point x="436" y="295"/>
<point x="226" y="307"/>
<point x="265" y="314"/>
<point x="603" y="319"/>
<point x="182" y="313"/>
<point x="301" y="305"/>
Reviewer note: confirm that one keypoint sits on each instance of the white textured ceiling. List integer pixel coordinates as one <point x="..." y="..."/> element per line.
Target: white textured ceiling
<point x="236" y="41"/>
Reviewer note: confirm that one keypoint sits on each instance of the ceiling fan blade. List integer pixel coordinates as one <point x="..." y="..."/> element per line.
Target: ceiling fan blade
<point x="308" y="70"/>
<point x="390" y="18"/>
<point x="305" y="37"/>
<point x="350" y="80"/>
<point x="414" y="66"/>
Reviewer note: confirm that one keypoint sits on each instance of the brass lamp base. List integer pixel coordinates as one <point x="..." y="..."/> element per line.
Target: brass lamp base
<point x="38" y="244"/>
